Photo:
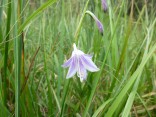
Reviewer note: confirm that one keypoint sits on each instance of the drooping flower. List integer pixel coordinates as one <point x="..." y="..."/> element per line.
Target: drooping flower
<point x="80" y="63"/>
<point x="98" y="23"/>
<point x="104" y="5"/>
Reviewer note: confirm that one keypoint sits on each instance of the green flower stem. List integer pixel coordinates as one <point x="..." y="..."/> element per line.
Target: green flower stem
<point x="64" y="97"/>
<point x="80" y="23"/>
<point x="76" y="41"/>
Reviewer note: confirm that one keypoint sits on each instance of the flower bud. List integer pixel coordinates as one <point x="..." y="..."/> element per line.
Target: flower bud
<point x="104" y="5"/>
<point x="98" y="23"/>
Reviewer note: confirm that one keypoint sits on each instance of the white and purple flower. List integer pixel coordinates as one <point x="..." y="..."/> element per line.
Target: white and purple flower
<point x="80" y="63"/>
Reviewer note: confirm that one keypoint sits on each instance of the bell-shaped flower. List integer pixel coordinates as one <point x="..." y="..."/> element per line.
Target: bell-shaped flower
<point x="104" y="5"/>
<point x="98" y="23"/>
<point x="80" y="63"/>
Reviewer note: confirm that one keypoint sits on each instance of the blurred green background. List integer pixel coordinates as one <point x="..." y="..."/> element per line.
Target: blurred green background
<point x="36" y="38"/>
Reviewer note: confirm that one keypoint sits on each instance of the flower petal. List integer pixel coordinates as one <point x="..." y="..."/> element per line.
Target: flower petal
<point x="88" y="55"/>
<point x="81" y="71"/>
<point x="73" y="68"/>
<point x="89" y="64"/>
<point x="67" y="63"/>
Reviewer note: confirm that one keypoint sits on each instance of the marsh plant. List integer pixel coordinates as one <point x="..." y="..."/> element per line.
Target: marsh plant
<point x="108" y="46"/>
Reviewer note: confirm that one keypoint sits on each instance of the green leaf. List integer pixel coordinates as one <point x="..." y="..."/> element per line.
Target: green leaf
<point x="33" y="16"/>
<point x="3" y="111"/>
<point x="101" y="107"/>
<point x="129" y="84"/>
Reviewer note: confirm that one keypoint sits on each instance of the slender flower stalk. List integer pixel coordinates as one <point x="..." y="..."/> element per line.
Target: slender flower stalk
<point x="98" y="23"/>
<point x="104" y="5"/>
<point x="80" y="63"/>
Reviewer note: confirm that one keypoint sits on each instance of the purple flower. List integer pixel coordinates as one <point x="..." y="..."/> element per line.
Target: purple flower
<point x="80" y="63"/>
<point x="98" y="23"/>
<point x="100" y="26"/>
<point x="104" y="5"/>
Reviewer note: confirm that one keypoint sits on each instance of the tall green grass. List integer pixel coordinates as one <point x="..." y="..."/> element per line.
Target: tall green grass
<point x="36" y="38"/>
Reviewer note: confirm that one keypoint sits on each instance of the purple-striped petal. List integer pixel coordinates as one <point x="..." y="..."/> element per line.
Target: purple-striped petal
<point x="67" y="63"/>
<point x="88" y="55"/>
<point x="89" y="64"/>
<point x="80" y="63"/>
<point x="72" y="69"/>
<point x="81" y="72"/>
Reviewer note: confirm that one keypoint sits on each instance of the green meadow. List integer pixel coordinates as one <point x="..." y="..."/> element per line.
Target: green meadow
<point x="36" y="39"/>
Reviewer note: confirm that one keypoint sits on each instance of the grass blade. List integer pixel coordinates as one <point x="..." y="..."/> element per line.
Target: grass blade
<point x="6" y="51"/>
<point x="134" y="90"/>
<point x="16" y="58"/>
<point x="3" y="111"/>
<point x="1" y="11"/>
<point x="101" y="107"/>
<point x="33" y="16"/>
<point x="80" y="23"/>
<point x="124" y="91"/>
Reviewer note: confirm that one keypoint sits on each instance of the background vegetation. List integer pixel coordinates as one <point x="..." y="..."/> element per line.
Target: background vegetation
<point x="36" y="37"/>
